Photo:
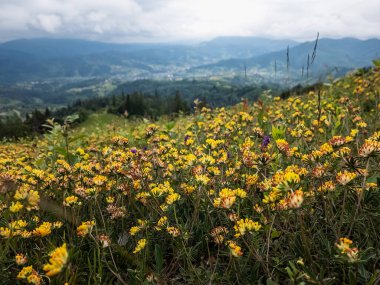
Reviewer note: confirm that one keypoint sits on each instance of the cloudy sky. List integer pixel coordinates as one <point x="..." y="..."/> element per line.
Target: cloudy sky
<point x="187" y="20"/>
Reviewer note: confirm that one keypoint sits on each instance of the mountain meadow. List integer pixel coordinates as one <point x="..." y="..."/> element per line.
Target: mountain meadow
<point x="229" y="180"/>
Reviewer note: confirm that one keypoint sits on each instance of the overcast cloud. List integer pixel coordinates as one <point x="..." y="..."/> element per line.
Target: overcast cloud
<point x="177" y="20"/>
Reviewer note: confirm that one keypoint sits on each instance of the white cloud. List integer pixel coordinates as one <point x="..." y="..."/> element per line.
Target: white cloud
<point x="166" y="20"/>
<point x="49" y="22"/>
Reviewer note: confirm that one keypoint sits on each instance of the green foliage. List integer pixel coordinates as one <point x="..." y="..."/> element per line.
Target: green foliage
<point x="376" y="62"/>
<point x="278" y="132"/>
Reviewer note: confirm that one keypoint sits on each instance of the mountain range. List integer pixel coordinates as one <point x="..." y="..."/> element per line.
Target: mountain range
<point x="345" y="54"/>
<point x="51" y="59"/>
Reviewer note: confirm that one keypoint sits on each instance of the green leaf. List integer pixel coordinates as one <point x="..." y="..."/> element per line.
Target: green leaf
<point x="159" y="258"/>
<point x="40" y="163"/>
<point x="278" y="132"/>
<point x="169" y="126"/>
<point x="260" y="118"/>
<point x="374" y="278"/>
<point x="289" y="271"/>
<point x="352" y="278"/>
<point x="372" y="179"/>
<point x="376" y="62"/>
<point x="294" y="268"/>
<point x="271" y="282"/>
<point x="275" y="234"/>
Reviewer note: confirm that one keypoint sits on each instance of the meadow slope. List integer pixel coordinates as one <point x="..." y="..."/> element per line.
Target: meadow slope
<point x="271" y="192"/>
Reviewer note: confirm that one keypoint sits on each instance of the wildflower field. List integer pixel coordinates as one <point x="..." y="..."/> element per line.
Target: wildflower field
<point x="278" y="191"/>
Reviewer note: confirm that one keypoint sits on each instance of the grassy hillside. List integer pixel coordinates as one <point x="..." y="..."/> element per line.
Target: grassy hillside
<point x="274" y="192"/>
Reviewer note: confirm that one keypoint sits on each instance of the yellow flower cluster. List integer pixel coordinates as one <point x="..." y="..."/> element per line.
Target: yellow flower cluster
<point x="235" y="249"/>
<point x="31" y="276"/>
<point x="345" y="177"/>
<point x="85" y="228"/>
<point x="227" y="197"/>
<point x="21" y="259"/>
<point x="246" y="225"/>
<point x="140" y="246"/>
<point x="58" y="259"/>
<point x="345" y="248"/>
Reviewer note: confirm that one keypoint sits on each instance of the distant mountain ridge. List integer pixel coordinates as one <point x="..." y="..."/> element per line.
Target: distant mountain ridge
<point x="53" y="48"/>
<point x="243" y="47"/>
<point x="346" y="53"/>
<point x="52" y="59"/>
<point x="44" y="48"/>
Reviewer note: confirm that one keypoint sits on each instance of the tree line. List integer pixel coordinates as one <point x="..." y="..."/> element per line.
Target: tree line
<point x="130" y="105"/>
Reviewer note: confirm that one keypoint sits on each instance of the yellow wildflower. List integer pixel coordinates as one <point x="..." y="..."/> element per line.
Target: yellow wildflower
<point x="295" y="199"/>
<point x="369" y="148"/>
<point x="327" y="186"/>
<point x="34" y="278"/>
<point x="292" y="178"/>
<point x="326" y="148"/>
<point x="161" y="222"/>
<point x="43" y="230"/>
<point x="26" y="234"/>
<point x="140" y="245"/>
<point x="272" y="196"/>
<point x="110" y="199"/>
<point x="71" y="200"/>
<point x="240" y="193"/>
<point x="134" y="230"/>
<point x="141" y="225"/>
<point x="203" y="179"/>
<point x="345" y="177"/>
<point x="21" y="259"/>
<point x="85" y="228"/>
<point x="171" y="198"/>
<point x="99" y="180"/>
<point x="344" y="246"/>
<point x="251" y="179"/>
<point x="33" y="199"/>
<point x="57" y="225"/>
<point x="58" y="259"/>
<point x="244" y="225"/>
<point x="226" y="200"/>
<point x="25" y="272"/>
<point x="16" y="207"/>
<point x="188" y="189"/>
<point x="173" y="231"/>
<point x="234" y="248"/>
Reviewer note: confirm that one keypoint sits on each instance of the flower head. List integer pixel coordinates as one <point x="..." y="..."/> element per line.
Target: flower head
<point x="345" y="177"/>
<point x="58" y="259"/>
<point x="43" y="230"/>
<point x="344" y="246"/>
<point x="21" y="259"/>
<point x="140" y="245"/>
<point x="235" y="249"/>
<point x="85" y="228"/>
<point x="265" y="142"/>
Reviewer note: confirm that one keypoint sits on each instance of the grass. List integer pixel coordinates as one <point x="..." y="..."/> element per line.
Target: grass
<point x="273" y="192"/>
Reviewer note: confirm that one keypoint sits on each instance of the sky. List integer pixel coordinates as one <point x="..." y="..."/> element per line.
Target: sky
<point x="187" y="20"/>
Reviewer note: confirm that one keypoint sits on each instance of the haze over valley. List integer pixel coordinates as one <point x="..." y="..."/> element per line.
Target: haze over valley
<point x="55" y="72"/>
<point x="54" y="53"/>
